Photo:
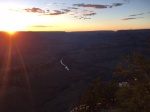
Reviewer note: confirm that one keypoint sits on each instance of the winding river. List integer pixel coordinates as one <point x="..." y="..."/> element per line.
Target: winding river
<point x="61" y="61"/>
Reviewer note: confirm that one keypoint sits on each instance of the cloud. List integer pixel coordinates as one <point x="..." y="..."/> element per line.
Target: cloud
<point x="34" y="10"/>
<point x="117" y="4"/>
<point x="84" y="18"/>
<point x="84" y="14"/>
<point x="55" y="12"/>
<point x="134" y="16"/>
<point x="91" y="6"/>
<point x="98" y="6"/>
<point x="41" y="26"/>
<point x="66" y="10"/>
<point x="56" y="4"/>
<point x="46" y="12"/>
<point x="137" y="14"/>
<point x="131" y="18"/>
<point x="81" y="17"/>
<point x="128" y="18"/>
<point x="90" y="14"/>
<point x="72" y="8"/>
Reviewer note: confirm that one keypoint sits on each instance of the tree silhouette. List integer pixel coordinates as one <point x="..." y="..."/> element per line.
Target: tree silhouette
<point x="136" y="96"/>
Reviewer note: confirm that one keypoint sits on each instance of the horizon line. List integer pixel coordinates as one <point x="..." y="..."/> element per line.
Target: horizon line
<point x="80" y="31"/>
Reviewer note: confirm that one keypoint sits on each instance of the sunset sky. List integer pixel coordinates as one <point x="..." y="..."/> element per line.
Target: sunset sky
<point x="74" y="15"/>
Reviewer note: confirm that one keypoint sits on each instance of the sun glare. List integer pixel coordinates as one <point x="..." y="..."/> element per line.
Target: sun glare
<point x="9" y="29"/>
<point x="11" y="20"/>
<point x="11" y="32"/>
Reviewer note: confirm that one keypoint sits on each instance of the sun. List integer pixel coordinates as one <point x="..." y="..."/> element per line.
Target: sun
<point x="11" y="32"/>
<point x="11" y="20"/>
<point x="9" y="28"/>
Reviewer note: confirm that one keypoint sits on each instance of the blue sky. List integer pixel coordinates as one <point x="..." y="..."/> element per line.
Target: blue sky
<point x="74" y="15"/>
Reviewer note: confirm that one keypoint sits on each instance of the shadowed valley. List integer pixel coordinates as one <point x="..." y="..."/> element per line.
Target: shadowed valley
<point x="33" y="79"/>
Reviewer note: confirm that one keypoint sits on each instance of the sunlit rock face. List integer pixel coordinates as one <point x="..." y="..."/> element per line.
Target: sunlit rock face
<point x="32" y="77"/>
